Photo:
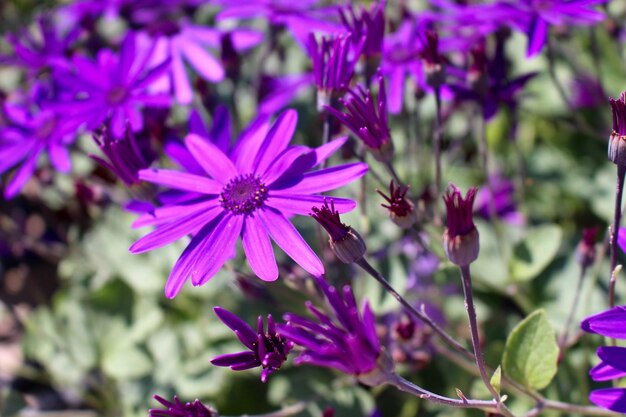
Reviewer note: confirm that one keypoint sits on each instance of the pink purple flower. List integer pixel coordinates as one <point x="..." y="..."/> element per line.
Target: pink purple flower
<point x="345" y="340"/>
<point x="367" y="118"/>
<point x="609" y="323"/>
<point x="248" y="191"/>
<point x="114" y="87"/>
<point x="266" y="349"/>
<point x="29" y="134"/>
<point x="368" y="24"/>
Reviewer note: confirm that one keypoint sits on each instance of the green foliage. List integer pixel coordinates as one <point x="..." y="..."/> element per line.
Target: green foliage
<point x="531" y="352"/>
<point x="535" y="251"/>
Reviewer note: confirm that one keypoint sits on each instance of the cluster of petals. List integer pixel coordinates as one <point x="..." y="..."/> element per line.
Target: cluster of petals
<point x="609" y="323"/>
<point x="344" y="339"/>
<point x="249" y="190"/>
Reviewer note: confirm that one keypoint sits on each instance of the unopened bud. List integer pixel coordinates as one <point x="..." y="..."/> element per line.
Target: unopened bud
<point x="617" y="140"/>
<point x="345" y="242"/>
<point x="401" y="209"/>
<point x="461" y="250"/>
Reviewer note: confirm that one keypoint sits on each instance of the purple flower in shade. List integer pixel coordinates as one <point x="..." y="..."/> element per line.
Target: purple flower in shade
<point x="369" y="24"/>
<point x="266" y="349"/>
<point x="344" y="340"/>
<point x="114" y="87"/>
<point x="609" y="323"/>
<point x="299" y="17"/>
<point x="498" y="199"/>
<point x="184" y="42"/>
<point x="534" y="17"/>
<point x="488" y="83"/>
<point x="178" y="409"/>
<point x="125" y="156"/>
<point x="460" y="240"/>
<point x="49" y="49"/>
<point x="401" y="59"/>
<point x="586" y="249"/>
<point x="367" y="118"/>
<point x="333" y="64"/>
<point x="277" y="92"/>
<point x="587" y="92"/>
<point x="26" y="136"/>
<point x="249" y="191"/>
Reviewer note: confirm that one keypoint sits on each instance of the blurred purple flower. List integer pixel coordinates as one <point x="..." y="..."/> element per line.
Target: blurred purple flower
<point x="333" y="61"/>
<point x="178" y="409"/>
<point x="609" y="323"/>
<point x="368" y="24"/>
<point x="266" y="349"/>
<point x="500" y="193"/>
<point x="587" y="92"/>
<point x="249" y="190"/>
<point x="26" y="136"/>
<point x="344" y="340"/>
<point x="182" y="42"/>
<point x="299" y="17"/>
<point x="49" y="49"/>
<point x="367" y="118"/>
<point x="277" y="92"/>
<point x="534" y="17"/>
<point x="114" y="87"/>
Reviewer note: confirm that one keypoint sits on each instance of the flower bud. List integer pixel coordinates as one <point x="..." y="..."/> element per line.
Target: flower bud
<point x="586" y="250"/>
<point x="460" y="240"/>
<point x="345" y="242"/>
<point x="617" y="140"/>
<point x="401" y="210"/>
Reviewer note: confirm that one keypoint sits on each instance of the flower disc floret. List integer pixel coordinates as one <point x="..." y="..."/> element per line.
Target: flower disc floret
<point x="243" y="194"/>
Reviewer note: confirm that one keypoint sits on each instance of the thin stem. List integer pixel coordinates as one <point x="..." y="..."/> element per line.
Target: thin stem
<point x="409" y="387"/>
<point x="587" y="410"/>
<point x="415" y="312"/>
<point x="437" y="151"/>
<point x="570" y="316"/>
<point x="471" y="313"/>
<point x="394" y="174"/>
<point x="621" y="172"/>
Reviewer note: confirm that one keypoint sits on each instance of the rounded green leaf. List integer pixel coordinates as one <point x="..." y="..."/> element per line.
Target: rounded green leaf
<point x="531" y="352"/>
<point x="533" y="253"/>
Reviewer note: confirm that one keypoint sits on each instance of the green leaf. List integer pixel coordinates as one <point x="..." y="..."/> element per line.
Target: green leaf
<point x="531" y="352"/>
<point x="126" y="362"/>
<point x="533" y="253"/>
<point x="496" y="379"/>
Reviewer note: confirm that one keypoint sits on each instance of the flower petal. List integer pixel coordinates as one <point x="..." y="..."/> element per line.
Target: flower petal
<point x="611" y="398"/>
<point x="211" y="158"/>
<point x="289" y="240"/>
<point x="167" y="233"/>
<point x="247" y="334"/>
<point x="302" y="204"/>
<point x="181" y="180"/>
<point x="322" y="180"/>
<point x="258" y="249"/>
<point x="609" y="323"/>
<point x="220" y="244"/>
<point x="276" y="140"/>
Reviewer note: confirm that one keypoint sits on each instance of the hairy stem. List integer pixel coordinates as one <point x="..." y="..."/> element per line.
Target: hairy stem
<point x="471" y="313"/>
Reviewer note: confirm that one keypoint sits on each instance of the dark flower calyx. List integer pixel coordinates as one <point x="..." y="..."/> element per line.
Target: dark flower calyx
<point x="401" y="209"/>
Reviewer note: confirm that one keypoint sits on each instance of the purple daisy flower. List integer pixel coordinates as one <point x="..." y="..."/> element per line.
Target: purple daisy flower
<point x="534" y="17"/>
<point x="266" y="349"/>
<point x="345" y="340"/>
<point x="184" y="42"/>
<point x="609" y="323"/>
<point x="501" y="194"/>
<point x="26" y="136"/>
<point x="114" y="87"/>
<point x="248" y="191"/>
<point x="178" y="409"/>
<point x="38" y="53"/>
